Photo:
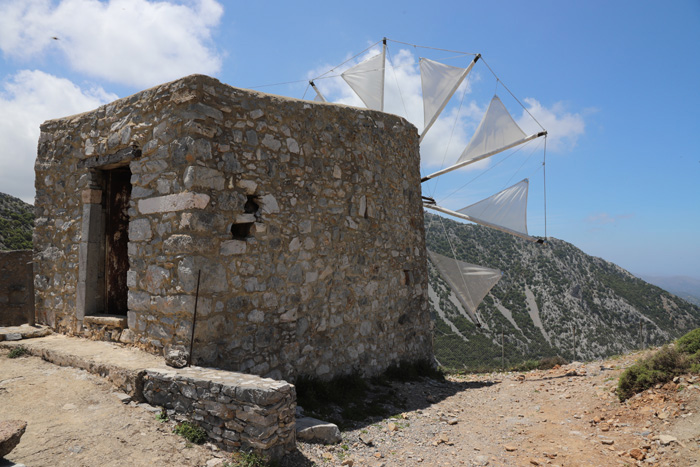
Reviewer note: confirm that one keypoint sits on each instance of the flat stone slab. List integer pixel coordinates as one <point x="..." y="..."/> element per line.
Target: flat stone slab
<point x="10" y="433"/>
<point x="122" y="366"/>
<point x="317" y="431"/>
<point x="25" y="331"/>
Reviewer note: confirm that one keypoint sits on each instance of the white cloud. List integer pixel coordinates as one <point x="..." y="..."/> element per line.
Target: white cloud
<point x="563" y="128"/>
<point x="133" y="42"/>
<point x="27" y="99"/>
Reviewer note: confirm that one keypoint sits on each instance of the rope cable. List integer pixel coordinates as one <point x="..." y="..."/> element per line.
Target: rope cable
<point x="544" y="177"/>
<point x="464" y="281"/>
<point x="349" y="59"/>
<point x="278" y="84"/>
<point x="432" y="48"/>
<point x="487" y="170"/>
<point x="393" y="71"/>
<point x="512" y="95"/>
<point x="449" y="141"/>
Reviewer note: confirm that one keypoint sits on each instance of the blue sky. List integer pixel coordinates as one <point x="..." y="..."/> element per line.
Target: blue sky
<point x="615" y="84"/>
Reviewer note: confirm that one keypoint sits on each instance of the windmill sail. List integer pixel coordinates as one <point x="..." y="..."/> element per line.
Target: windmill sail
<point x="507" y="208"/>
<point x="496" y="130"/>
<point x="496" y="133"/>
<point x="505" y="211"/>
<point x="439" y="82"/>
<point x="367" y="80"/>
<point x="469" y="282"/>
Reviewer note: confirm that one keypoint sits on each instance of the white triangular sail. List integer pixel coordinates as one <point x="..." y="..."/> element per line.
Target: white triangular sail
<point x="497" y="130"/>
<point x="469" y="282"/>
<point x="439" y="82"/>
<point x="507" y="208"/>
<point x="505" y="211"/>
<point x="367" y="80"/>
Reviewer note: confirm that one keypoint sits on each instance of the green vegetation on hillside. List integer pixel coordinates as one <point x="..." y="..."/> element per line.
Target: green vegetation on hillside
<point x="661" y="367"/>
<point x="16" y="223"/>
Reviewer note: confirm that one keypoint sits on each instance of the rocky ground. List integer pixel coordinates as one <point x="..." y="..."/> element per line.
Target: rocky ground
<point x="568" y="416"/>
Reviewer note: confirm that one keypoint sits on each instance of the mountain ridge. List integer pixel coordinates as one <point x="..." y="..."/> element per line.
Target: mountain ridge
<point x="553" y="299"/>
<point x="16" y="223"/>
<point x="685" y="287"/>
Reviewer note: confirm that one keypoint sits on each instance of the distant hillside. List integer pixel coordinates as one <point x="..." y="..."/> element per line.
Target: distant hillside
<point x="551" y="299"/>
<point x="688" y="288"/>
<point x="16" y="223"/>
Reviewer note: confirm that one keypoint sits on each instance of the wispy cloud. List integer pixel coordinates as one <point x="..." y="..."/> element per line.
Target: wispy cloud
<point x="563" y="128"/>
<point x="172" y="39"/>
<point x="26" y="100"/>
<point x="604" y="218"/>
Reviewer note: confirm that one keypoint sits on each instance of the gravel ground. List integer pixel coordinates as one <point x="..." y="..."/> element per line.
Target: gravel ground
<point x="567" y="416"/>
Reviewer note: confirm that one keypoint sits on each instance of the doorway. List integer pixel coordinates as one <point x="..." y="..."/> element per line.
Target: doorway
<point x="117" y="184"/>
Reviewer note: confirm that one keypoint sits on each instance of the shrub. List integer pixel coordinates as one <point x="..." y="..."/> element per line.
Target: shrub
<point x="191" y="432"/>
<point x="18" y="352"/>
<point x="660" y="368"/>
<point x="689" y="343"/>
<point x="246" y="459"/>
<point x="550" y="362"/>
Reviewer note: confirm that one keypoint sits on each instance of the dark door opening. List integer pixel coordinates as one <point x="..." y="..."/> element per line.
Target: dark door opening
<point x="118" y="192"/>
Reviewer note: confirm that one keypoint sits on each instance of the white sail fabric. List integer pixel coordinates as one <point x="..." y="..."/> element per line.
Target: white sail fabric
<point x="469" y="282"/>
<point x="319" y="97"/>
<point x="367" y="80"/>
<point x="507" y="208"/>
<point x="496" y="131"/>
<point x="439" y="82"/>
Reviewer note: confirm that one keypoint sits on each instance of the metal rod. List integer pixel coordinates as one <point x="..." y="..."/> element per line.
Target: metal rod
<point x="503" y="351"/>
<point x="194" y="319"/>
<point x="483" y="156"/>
<point x="469" y="218"/>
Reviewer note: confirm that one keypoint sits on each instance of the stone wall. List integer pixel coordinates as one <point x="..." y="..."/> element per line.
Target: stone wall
<point x="237" y="411"/>
<point x="16" y="288"/>
<point x="305" y="220"/>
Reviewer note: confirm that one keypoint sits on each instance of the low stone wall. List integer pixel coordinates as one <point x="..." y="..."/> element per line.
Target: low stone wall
<point x="16" y="288"/>
<point x="238" y="411"/>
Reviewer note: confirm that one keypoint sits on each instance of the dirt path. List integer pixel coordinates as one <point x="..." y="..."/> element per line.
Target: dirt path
<point x="75" y="419"/>
<point x="567" y="417"/>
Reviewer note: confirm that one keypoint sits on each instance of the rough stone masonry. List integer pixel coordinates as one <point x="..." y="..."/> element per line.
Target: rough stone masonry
<point x="304" y="218"/>
<point x="16" y="290"/>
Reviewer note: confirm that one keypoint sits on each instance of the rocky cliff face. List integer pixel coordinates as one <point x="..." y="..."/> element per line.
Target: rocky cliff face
<point x="553" y="299"/>
<point x="16" y="223"/>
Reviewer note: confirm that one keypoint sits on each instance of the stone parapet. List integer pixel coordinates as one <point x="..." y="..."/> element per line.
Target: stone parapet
<point x="16" y="288"/>
<point x="237" y="411"/>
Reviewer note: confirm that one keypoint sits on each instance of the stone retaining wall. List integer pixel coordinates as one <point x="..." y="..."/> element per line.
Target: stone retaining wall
<point x="16" y="288"/>
<point x="237" y="411"/>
